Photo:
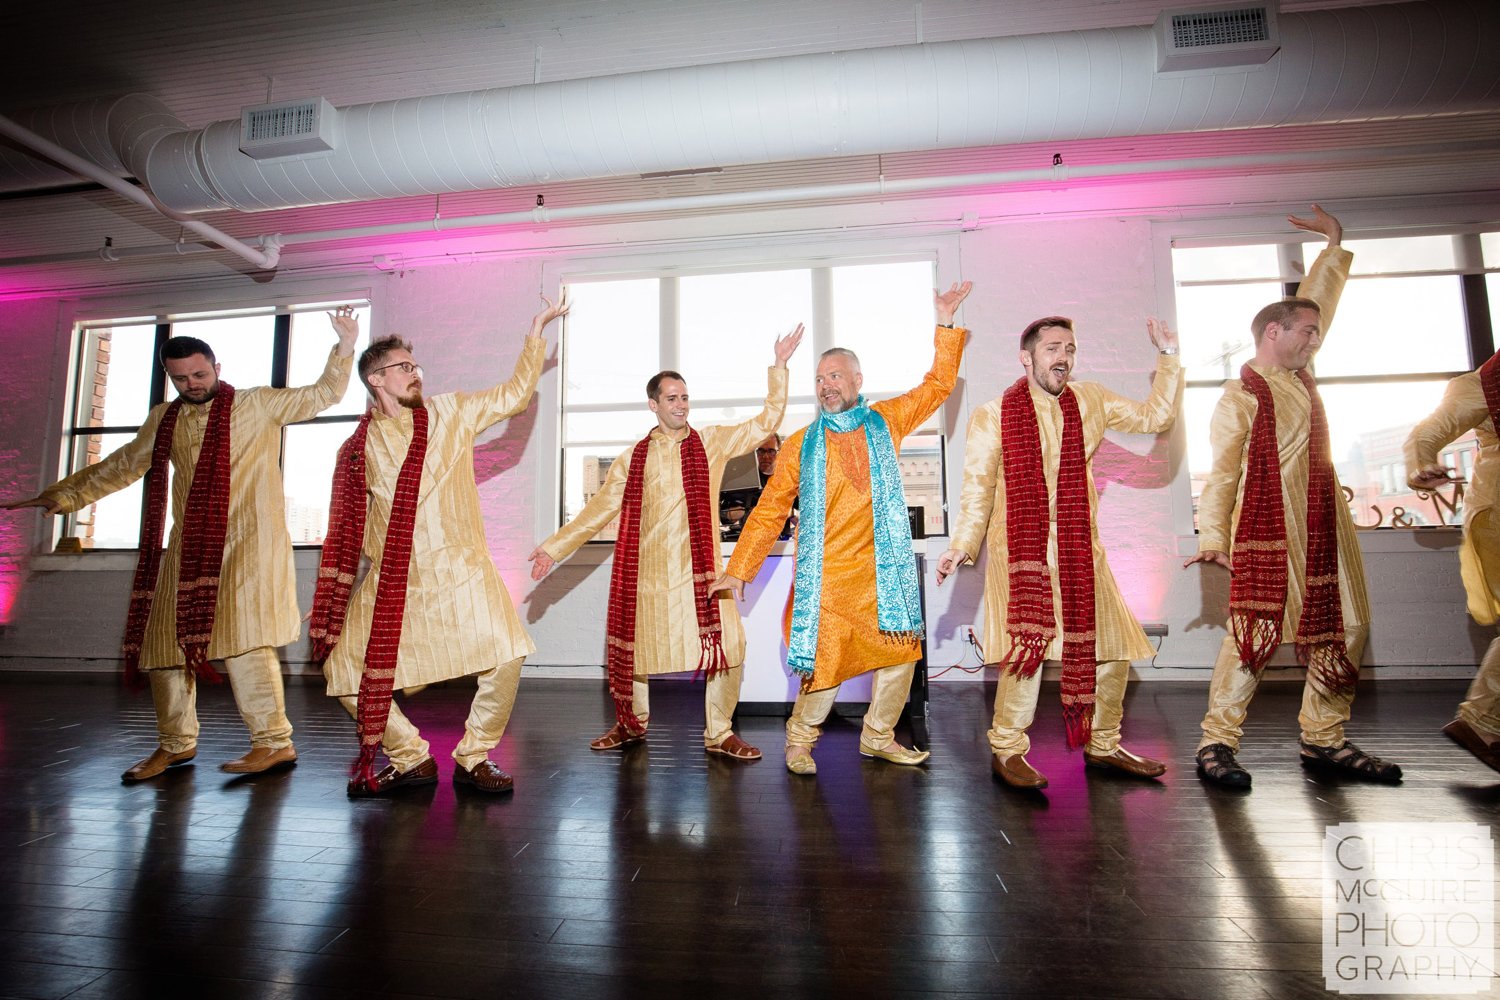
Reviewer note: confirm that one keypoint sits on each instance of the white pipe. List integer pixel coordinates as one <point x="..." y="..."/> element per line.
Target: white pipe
<point x="266" y="258"/>
<point x="1380" y="62"/>
<point x="744" y="199"/>
<point x="749" y="199"/>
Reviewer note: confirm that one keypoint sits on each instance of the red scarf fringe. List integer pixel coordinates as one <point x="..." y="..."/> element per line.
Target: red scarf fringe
<point x="1258" y="588"/>
<point x="625" y="576"/>
<point x="348" y="507"/>
<point x="1031" y="619"/>
<point x="205" y="523"/>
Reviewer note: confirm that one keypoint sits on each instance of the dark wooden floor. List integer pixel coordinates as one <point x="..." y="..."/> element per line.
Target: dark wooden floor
<point x="661" y="872"/>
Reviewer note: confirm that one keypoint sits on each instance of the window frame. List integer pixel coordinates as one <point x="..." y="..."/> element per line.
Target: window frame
<point x="1469" y="266"/>
<point x="940" y="249"/>
<point x="280" y="314"/>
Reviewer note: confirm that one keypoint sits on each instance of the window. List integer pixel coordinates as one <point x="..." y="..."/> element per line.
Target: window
<point x="118" y="380"/>
<point x="718" y="329"/>
<point x="1408" y="321"/>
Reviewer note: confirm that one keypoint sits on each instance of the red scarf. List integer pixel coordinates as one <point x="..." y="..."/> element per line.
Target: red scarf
<point x="205" y="521"/>
<point x="625" y="577"/>
<point x="1258" y="588"/>
<point x="1031" y="621"/>
<point x="1489" y="381"/>
<point x="347" y="509"/>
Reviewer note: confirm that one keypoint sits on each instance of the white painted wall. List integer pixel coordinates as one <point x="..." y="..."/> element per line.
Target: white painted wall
<point x="467" y="320"/>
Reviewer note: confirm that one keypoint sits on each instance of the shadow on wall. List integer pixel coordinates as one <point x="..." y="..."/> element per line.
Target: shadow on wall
<point x="503" y="452"/>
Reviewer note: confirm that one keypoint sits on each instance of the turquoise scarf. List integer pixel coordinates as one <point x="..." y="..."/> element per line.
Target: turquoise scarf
<point x="896" y="596"/>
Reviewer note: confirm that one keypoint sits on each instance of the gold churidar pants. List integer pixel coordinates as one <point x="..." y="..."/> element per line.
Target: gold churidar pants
<point x="889" y="687"/>
<point x="719" y="702"/>
<point x="1015" y="708"/>
<point x="1323" y="714"/>
<point x="1481" y="706"/>
<point x="255" y="679"/>
<point x="488" y="715"/>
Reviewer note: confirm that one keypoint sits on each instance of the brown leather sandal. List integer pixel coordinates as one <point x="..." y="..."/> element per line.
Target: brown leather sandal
<point x="616" y="737"/>
<point x="733" y="746"/>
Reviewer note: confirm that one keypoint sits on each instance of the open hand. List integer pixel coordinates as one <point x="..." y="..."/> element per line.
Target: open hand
<point x="346" y="325"/>
<point x="1430" y="477"/>
<point x="733" y="584"/>
<point x="787" y="346"/>
<point x="1321" y="223"/>
<point x="552" y="312"/>
<point x="947" y="302"/>
<point x="541" y="563"/>
<point x="49" y="507"/>
<point x="1161" y="335"/>
<point x="948" y="564"/>
<point x="1211" y="556"/>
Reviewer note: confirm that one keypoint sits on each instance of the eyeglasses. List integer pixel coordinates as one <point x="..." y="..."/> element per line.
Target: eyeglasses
<point x="405" y="366"/>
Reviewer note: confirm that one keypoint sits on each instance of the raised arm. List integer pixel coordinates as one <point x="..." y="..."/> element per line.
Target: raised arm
<point x="1157" y="411"/>
<point x="741" y="438"/>
<point x="288" y="406"/>
<point x="602" y="508"/>
<point x="1325" y="280"/>
<point x="1463" y="408"/>
<point x="910" y="410"/>
<point x="110" y="474"/>
<point x="490" y="406"/>
<point x="1228" y="430"/>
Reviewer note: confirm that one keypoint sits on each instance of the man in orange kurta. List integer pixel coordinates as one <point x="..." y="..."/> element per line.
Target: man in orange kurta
<point x="849" y="641"/>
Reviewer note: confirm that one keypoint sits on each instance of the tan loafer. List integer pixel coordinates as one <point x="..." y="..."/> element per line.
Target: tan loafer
<point x="895" y="753"/>
<point x="1124" y="760"/>
<point x="1016" y="772"/>
<point x="1472" y="740"/>
<point x="155" y="764"/>
<point x="799" y="760"/>
<point x="261" y="759"/>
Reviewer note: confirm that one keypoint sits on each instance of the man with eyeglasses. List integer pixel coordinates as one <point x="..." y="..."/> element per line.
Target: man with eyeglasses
<point x="225" y="588"/>
<point x="432" y="607"/>
<point x="662" y="617"/>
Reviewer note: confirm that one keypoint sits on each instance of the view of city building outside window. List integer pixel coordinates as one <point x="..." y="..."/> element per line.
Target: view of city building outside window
<point x="718" y="330"/>
<point x="1400" y="332"/>
<point x="117" y="367"/>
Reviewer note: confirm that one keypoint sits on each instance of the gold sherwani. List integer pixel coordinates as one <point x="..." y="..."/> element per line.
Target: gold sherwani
<point x="848" y="641"/>
<point x="982" y="505"/>
<point x="1219" y="504"/>
<point x="257" y="603"/>
<point x="459" y="617"/>
<point x="666" y="622"/>
<point x="1464" y="408"/>
<point x="1323" y="711"/>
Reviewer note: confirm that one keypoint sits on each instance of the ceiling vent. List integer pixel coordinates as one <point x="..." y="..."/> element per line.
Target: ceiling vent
<point x="288" y="128"/>
<point x="1200" y="38"/>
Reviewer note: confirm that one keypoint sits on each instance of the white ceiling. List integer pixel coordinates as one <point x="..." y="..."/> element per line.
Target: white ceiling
<point x="208" y="59"/>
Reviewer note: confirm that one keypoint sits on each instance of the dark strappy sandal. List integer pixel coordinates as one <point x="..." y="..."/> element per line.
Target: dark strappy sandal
<point x="1216" y="763"/>
<point x="1350" y="759"/>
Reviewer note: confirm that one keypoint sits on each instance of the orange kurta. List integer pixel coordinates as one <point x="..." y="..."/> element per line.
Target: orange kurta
<point x="849" y="642"/>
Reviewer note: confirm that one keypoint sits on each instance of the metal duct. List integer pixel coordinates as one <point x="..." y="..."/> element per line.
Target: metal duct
<point x="1389" y="61"/>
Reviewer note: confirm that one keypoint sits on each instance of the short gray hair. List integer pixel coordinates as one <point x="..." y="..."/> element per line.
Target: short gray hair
<point x="842" y="352"/>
